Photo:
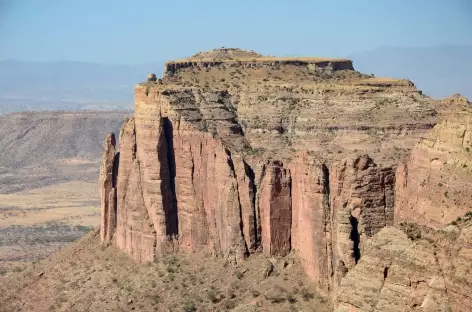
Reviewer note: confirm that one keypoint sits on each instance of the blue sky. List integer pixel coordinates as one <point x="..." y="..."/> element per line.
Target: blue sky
<point x="133" y="32"/>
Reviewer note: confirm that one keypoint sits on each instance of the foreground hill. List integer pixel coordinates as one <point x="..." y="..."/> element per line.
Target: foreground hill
<point x="87" y="277"/>
<point x="409" y="268"/>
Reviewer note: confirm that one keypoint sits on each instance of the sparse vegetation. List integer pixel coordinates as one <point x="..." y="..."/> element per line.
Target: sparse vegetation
<point x="306" y="294"/>
<point x="189" y="306"/>
<point x="180" y="282"/>
<point x="412" y="230"/>
<point x="256" y="151"/>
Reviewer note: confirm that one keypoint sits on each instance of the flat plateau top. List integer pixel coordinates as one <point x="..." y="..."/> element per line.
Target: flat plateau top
<point x="263" y="59"/>
<point x="239" y="55"/>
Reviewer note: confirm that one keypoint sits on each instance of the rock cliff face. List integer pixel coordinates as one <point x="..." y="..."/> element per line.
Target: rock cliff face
<point x="362" y="203"/>
<point x="208" y="161"/>
<point x="427" y="271"/>
<point x="435" y="186"/>
<point x="204" y="197"/>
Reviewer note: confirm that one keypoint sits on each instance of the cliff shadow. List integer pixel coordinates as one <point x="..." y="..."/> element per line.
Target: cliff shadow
<point x="170" y="206"/>
<point x="116" y="164"/>
<point x="355" y="238"/>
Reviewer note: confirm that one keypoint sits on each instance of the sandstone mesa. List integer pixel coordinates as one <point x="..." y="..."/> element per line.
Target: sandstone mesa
<point x="235" y="153"/>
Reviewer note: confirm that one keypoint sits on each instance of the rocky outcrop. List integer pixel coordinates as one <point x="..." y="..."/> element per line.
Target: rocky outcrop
<point x="399" y="274"/>
<point x="361" y="204"/>
<point x="434" y="187"/>
<point x="206" y="163"/>
<point x="107" y="182"/>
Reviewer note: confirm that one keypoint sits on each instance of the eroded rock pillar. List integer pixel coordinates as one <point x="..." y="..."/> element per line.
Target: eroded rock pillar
<point x="108" y="191"/>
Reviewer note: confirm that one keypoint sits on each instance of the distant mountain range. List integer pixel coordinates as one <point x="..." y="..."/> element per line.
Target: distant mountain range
<point x="439" y="71"/>
<point x="65" y="85"/>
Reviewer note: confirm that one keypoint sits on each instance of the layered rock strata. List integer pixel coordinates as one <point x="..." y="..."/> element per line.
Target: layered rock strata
<point x="435" y="186"/>
<point x="361" y="204"/>
<point x="402" y="271"/>
<point x="278" y="106"/>
<point x="207" y="162"/>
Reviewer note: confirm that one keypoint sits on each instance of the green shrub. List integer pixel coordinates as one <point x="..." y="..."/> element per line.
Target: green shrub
<point x="214" y="295"/>
<point x="239" y="274"/>
<point x="306" y="294"/>
<point x="189" y="306"/>
<point x="291" y="298"/>
<point x="255" y="293"/>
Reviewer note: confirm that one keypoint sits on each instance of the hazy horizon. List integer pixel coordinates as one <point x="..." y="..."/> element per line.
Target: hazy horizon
<point x="121" y="32"/>
<point x="162" y="61"/>
<point x="89" y="54"/>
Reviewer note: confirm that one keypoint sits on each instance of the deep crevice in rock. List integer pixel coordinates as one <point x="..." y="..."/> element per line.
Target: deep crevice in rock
<point x="355" y="238"/>
<point x="116" y="164"/>
<point x="171" y="215"/>
<point x="253" y="186"/>
<point x="327" y="221"/>
<point x="241" y="225"/>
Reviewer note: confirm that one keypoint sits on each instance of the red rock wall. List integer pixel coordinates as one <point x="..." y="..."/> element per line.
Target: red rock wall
<point x="135" y="232"/>
<point x="179" y="187"/>
<point x="206" y="188"/>
<point x="311" y="219"/>
<point x="275" y="209"/>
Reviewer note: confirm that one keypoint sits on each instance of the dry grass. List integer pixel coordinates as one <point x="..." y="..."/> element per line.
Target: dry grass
<point x="87" y="277"/>
<point x="383" y="81"/>
<point x="75" y="203"/>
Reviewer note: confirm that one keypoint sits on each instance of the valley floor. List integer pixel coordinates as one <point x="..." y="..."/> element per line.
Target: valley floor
<point x="36" y="222"/>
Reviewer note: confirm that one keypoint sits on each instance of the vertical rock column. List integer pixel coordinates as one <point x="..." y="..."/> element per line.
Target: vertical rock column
<point x="108" y="191"/>
<point x="153" y="165"/>
<point x="206" y="188"/>
<point x="311" y="220"/>
<point x="135" y="231"/>
<point x="276" y="211"/>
